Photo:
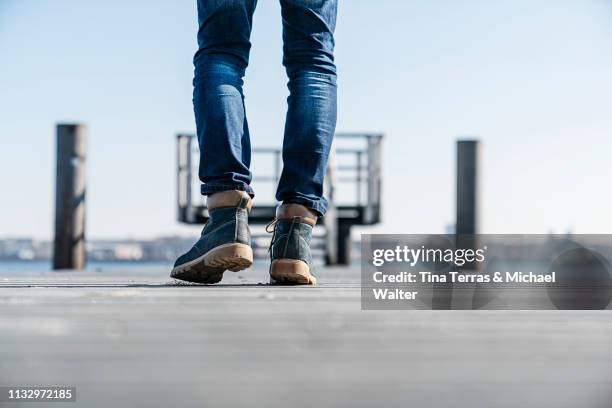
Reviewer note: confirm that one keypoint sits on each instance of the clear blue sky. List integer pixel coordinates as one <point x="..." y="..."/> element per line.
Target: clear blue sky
<point x="531" y="79"/>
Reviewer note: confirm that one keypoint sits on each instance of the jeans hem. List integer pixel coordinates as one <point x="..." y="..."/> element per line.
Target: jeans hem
<point x="314" y="205"/>
<point x="208" y="189"/>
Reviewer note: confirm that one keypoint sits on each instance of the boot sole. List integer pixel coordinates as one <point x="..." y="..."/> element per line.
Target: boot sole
<point x="291" y="272"/>
<point x="209" y="267"/>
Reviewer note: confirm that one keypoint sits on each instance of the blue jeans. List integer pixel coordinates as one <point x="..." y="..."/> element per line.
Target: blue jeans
<point x="223" y="132"/>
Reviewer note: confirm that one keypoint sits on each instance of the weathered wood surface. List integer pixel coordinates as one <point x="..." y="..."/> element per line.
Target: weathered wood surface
<point x="136" y="339"/>
<point x="70" y="191"/>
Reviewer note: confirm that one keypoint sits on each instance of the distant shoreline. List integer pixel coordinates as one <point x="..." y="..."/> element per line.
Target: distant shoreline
<point x="95" y="266"/>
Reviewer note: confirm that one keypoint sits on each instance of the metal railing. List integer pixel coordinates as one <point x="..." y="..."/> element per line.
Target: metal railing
<point x="353" y="185"/>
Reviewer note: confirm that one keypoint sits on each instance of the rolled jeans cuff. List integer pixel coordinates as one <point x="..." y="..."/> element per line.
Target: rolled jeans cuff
<point x="211" y="188"/>
<point x="319" y="206"/>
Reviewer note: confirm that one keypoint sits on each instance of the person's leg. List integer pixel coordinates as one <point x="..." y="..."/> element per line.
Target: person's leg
<point x="308" y="39"/>
<point x="223" y="135"/>
<point x="308" y="57"/>
<point x="218" y="101"/>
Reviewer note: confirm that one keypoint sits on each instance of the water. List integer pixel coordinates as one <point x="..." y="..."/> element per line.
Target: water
<point x="43" y="266"/>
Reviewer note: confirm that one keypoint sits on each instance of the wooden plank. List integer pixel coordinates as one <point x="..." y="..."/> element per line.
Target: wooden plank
<point x="136" y="339"/>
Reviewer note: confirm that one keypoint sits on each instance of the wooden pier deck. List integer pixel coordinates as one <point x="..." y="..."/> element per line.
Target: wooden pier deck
<point x="136" y="339"/>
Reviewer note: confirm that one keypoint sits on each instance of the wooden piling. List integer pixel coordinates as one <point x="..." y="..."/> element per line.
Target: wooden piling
<point x="467" y="227"/>
<point x="466" y="223"/>
<point x="467" y="187"/>
<point x="69" y="242"/>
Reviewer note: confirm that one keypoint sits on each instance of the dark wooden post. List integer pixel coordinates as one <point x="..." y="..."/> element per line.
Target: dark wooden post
<point x="69" y="243"/>
<point x="467" y="197"/>
<point x="467" y="187"/>
<point x="466" y="223"/>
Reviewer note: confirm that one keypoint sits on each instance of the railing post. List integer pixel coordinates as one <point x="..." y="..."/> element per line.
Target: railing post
<point x="359" y="181"/>
<point x="344" y="243"/>
<point x="277" y="168"/>
<point x="69" y="243"/>
<point x="184" y="178"/>
<point x="331" y="217"/>
<point x="373" y="204"/>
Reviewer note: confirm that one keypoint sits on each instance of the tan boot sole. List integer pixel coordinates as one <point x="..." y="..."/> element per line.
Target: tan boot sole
<point x="209" y="267"/>
<point x="291" y="272"/>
